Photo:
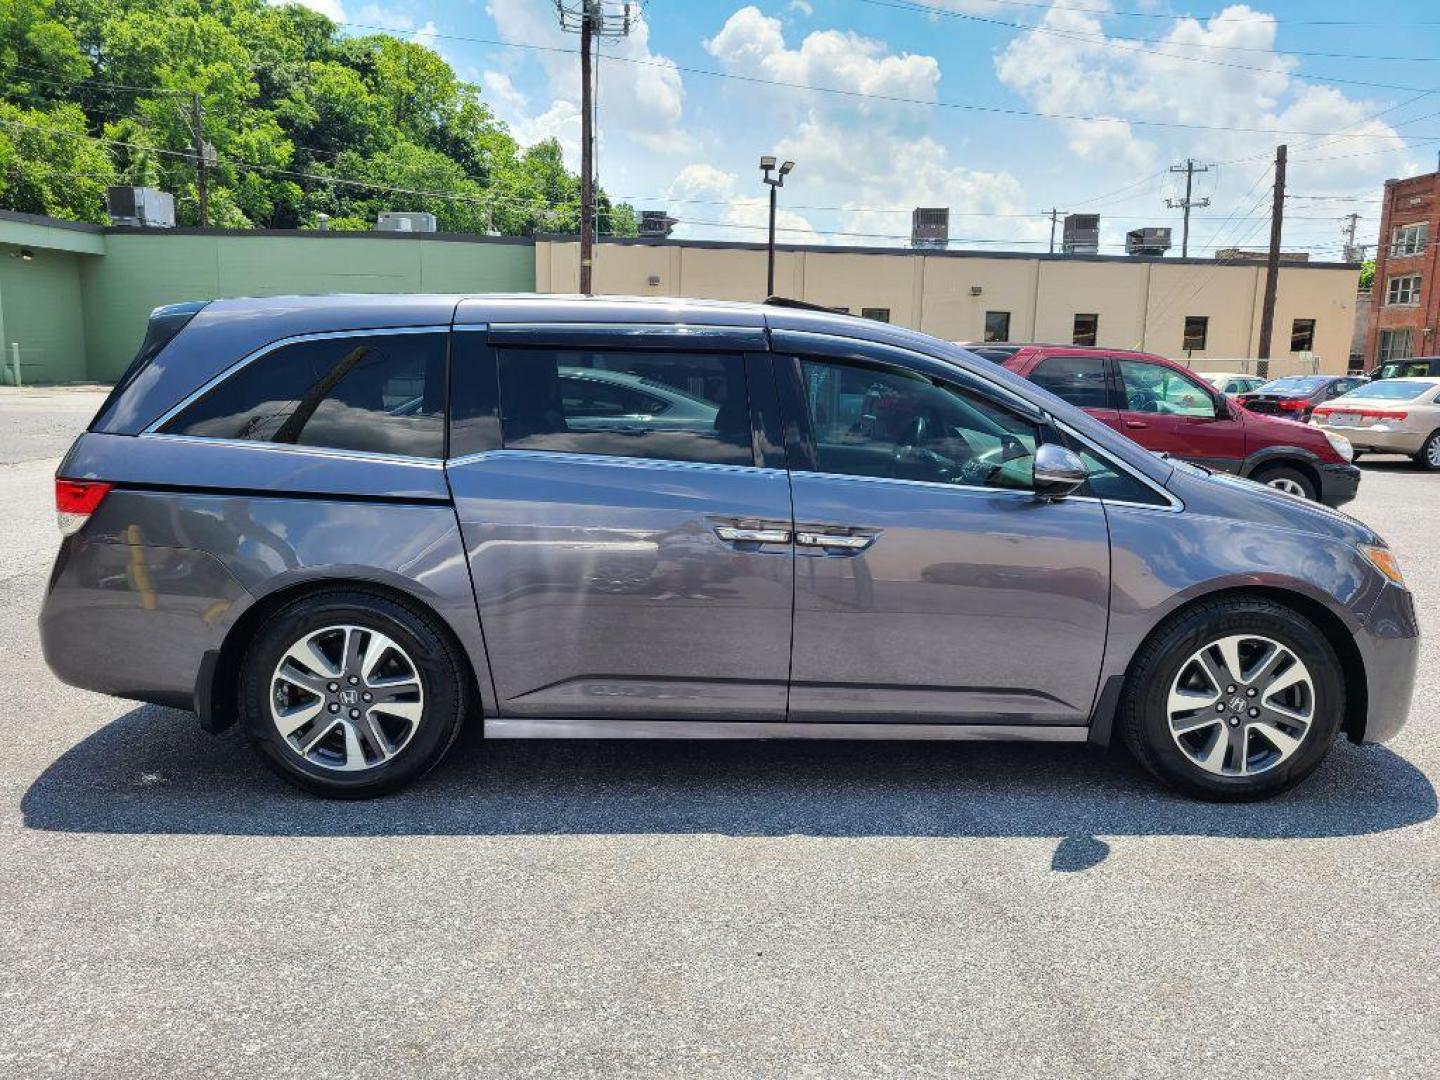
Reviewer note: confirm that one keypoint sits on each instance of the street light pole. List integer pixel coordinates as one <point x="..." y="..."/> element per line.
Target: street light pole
<point x="767" y="166"/>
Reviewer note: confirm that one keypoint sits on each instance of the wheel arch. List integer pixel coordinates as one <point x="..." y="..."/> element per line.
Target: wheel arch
<point x="216" y="684"/>
<point x="1352" y="664"/>
<point x="1291" y="457"/>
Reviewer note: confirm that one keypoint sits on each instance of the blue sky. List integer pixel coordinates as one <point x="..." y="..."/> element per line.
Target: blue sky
<point x="673" y="136"/>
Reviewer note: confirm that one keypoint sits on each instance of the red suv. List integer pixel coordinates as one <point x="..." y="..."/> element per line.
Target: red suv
<point x="1166" y="408"/>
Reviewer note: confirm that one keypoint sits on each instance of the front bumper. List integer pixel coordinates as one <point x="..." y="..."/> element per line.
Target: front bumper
<point x="1338" y="484"/>
<point x="1389" y="644"/>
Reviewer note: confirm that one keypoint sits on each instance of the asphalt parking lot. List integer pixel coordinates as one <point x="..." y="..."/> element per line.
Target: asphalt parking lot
<point x="580" y="909"/>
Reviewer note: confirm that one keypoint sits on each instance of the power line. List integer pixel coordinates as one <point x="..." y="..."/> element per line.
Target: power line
<point x="1181" y="18"/>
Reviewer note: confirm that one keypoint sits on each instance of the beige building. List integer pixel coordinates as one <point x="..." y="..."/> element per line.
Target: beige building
<point x="1160" y="305"/>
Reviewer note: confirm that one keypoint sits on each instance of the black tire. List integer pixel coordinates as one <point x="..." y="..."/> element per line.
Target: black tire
<point x="1144" y="720"/>
<point x="442" y="673"/>
<point x="1269" y="474"/>
<point x="1428" y="457"/>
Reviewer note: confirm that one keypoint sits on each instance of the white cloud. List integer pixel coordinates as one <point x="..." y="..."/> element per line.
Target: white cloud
<point x="877" y="160"/>
<point x="801" y="8"/>
<point x="427" y="35"/>
<point x="1092" y="74"/>
<point x="560" y="121"/>
<point x="503" y="94"/>
<point x="704" y="193"/>
<point x="331" y="9"/>
<point x="641" y="93"/>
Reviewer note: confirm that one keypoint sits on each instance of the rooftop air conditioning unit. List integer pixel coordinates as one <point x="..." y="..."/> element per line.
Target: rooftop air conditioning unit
<point x="140" y="207"/>
<point x="1082" y="234"/>
<point x="656" y="223"/>
<point x="930" y="227"/>
<point x="405" y="221"/>
<point x="1151" y="240"/>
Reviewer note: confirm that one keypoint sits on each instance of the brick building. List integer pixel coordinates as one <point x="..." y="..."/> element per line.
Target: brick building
<point x="1405" y="303"/>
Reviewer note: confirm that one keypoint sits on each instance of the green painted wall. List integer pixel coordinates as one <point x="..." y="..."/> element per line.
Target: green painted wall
<point x="142" y="270"/>
<point x="40" y="307"/>
<point x="78" y="305"/>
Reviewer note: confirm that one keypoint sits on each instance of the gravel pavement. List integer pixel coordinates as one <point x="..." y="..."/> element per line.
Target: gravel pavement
<point x="589" y="909"/>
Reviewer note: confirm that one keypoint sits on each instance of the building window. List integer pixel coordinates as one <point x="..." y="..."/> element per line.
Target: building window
<point x="1197" y="329"/>
<point x="1302" y="335"/>
<point x="1395" y="345"/>
<point x="1086" y="329"/>
<point x="1409" y="240"/>
<point x="1403" y="290"/>
<point x="997" y="326"/>
<point x="879" y="314"/>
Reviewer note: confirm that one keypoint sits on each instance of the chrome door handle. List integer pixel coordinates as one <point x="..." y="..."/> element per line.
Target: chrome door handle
<point x="736" y="534"/>
<point x="834" y="541"/>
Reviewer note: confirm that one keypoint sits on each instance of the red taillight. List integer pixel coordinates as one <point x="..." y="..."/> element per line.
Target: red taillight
<point x="1369" y="414"/>
<point x="76" y="500"/>
<point x="1291" y="405"/>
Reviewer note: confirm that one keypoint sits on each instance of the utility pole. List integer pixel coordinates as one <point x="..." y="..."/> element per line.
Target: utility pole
<point x="1190" y="168"/>
<point x="1352" y="253"/>
<point x="1054" y="216"/>
<point x="1272" y="267"/>
<point x="590" y="20"/>
<point x="202" y="181"/>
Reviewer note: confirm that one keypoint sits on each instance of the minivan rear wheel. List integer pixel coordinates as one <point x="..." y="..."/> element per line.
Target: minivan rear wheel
<point x="1234" y="700"/>
<point x="351" y="695"/>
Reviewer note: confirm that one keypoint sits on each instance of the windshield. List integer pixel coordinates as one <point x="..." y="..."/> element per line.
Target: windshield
<point x="1292" y="384"/>
<point x="1392" y="389"/>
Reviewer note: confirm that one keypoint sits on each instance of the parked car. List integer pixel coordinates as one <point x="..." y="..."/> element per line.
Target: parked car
<point x="1230" y="384"/>
<point x="1168" y="409"/>
<point x="995" y="351"/>
<point x="874" y="535"/>
<point x="1421" y="367"/>
<point x="1391" y="416"/>
<point x="1295" y="396"/>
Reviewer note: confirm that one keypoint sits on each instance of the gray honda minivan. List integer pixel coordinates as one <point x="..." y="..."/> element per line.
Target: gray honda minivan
<point x="352" y="523"/>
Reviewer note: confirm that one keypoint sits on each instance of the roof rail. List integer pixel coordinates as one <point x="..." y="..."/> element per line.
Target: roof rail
<point x="802" y="305"/>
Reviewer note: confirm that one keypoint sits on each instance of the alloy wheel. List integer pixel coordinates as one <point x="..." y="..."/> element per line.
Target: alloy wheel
<point x="1241" y="705"/>
<point x="1287" y="485"/>
<point x="346" y="698"/>
<point x="1432" y="452"/>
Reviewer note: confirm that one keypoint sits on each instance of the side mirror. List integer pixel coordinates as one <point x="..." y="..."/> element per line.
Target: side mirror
<point x="1058" y="471"/>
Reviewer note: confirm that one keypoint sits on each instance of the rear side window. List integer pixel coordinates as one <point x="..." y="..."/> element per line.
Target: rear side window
<point x="1080" y="380"/>
<point x="380" y="393"/>
<point x="680" y="406"/>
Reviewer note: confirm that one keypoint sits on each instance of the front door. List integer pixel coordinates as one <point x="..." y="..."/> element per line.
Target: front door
<point x="931" y="585"/>
<point x="1169" y="411"/>
<point x="630" y="553"/>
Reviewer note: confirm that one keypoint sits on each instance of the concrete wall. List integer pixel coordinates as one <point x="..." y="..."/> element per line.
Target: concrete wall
<point x="78" y="304"/>
<point x="143" y="269"/>
<point x="1142" y="303"/>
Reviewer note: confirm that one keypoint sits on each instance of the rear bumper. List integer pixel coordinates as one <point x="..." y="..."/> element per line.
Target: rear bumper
<point x="136" y="620"/>
<point x="1338" y="483"/>
<point x="1389" y="644"/>
<point x="1383" y="442"/>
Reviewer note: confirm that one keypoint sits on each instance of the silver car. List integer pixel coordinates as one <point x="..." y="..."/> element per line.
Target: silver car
<point x="1389" y="416"/>
<point x="352" y="524"/>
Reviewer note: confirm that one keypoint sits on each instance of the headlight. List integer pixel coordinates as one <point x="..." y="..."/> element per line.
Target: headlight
<point x="1383" y="559"/>
<point x="1340" y="444"/>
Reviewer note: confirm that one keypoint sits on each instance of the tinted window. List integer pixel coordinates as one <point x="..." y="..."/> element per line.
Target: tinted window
<point x="1080" y="380"/>
<point x="1197" y="329"/>
<point x="1302" y="335"/>
<point x="383" y="393"/>
<point x="1087" y="328"/>
<point x="676" y="406"/>
<point x="888" y="423"/>
<point x="1154" y="388"/>
<point x="474" y="395"/>
<point x="997" y="326"/>
<point x="1109" y="481"/>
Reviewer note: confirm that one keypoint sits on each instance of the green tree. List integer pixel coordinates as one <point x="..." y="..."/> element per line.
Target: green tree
<point x="304" y="120"/>
<point x="1367" y="273"/>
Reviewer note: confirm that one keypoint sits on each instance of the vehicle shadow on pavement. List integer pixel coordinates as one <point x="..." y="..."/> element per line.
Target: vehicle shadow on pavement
<point x="153" y="771"/>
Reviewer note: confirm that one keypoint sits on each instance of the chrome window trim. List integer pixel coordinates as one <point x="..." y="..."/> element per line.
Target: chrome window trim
<point x="264" y="350"/>
<point x="299" y="448"/>
<point x="581" y="458"/>
<point x="1174" y="505"/>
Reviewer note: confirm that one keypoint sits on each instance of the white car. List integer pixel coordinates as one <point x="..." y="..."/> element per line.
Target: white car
<point x="1229" y="383"/>
<point x="1388" y="416"/>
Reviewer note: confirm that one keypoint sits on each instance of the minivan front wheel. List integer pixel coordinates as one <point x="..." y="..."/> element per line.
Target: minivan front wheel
<point x="1234" y="700"/>
<point x="351" y="695"/>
